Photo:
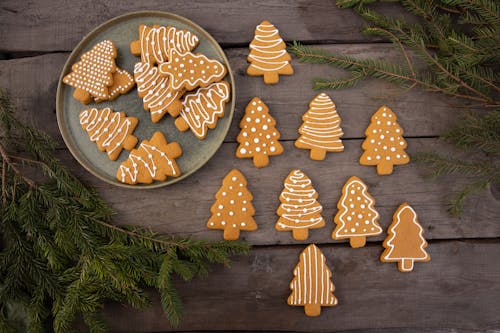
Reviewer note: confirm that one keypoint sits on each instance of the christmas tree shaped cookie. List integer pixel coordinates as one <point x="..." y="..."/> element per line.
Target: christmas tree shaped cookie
<point x="153" y="160"/>
<point x="321" y="130"/>
<point x="122" y="83"/>
<point x="384" y="145"/>
<point x="405" y="242"/>
<point x="357" y="217"/>
<point x="258" y="137"/>
<point x="157" y="95"/>
<point x="299" y="210"/>
<point x="202" y="109"/>
<point x="93" y="74"/>
<point x="111" y="131"/>
<point x="268" y="56"/>
<point x="312" y="286"/>
<point x="155" y="43"/>
<point x="189" y="71"/>
<point x="233" y="210"/>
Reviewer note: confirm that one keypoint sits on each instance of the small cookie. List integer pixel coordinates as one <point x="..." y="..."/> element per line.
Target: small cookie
<point x="384" y="145"/>
<point x="299" y="210"/>
<point x="93" y="74"/>
<point x="122" y="83"/>
<point x="153" y="160"/>
<point x="155" y="43"/>
<point x="189" y="71"/>
<point x="405" y="242"/>
<point x="202" y="109"/>
<point x="268" y="56"/>
<point x="111" y="131"/>
<point x="320" y="131"/>
<point x="156" y="93"/>
<point x="258" y="137"/>
<point x="312" y="285"/>
<point x="357" y="217"/>
<point x="233" y="210"/>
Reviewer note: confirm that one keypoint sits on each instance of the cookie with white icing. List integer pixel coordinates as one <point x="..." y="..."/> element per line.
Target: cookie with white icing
<point x="123" y="82"/>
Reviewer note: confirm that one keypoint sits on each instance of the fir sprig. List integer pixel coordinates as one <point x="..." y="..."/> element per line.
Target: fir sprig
<point x="61" y="255"/>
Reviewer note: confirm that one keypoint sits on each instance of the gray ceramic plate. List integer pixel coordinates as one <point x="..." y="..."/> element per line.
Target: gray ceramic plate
<point x="122" y="30"/>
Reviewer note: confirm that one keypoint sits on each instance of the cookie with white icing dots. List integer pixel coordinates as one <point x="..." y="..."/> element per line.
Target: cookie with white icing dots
<point x="111" y="131"/>
<point x="123" y="82"/>
<point x="233" y="210"/>
<point x="405" y="242"/>
<point x="299" y="210"/>
<point x="384" y="145"/>
<point x="153" y="160"/>
<point x="312" y="285"/>
<point x="268" y="56"/>
<point x="320" y="131"/>
<point x="202" y="109"/>
<point x="357" y="217"/>
<point x="259" y="136"/>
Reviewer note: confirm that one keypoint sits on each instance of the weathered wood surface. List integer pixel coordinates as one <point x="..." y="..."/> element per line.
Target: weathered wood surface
<point x="458" y="289"/>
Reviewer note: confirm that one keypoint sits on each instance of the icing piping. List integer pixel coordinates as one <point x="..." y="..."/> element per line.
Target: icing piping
<point x="267" y="31"/>
<point x="156" y="42"/>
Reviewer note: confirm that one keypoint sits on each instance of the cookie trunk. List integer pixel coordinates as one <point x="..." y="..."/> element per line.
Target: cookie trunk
<point x="312" y="310"/>
<point x="135" y="47"/>
<point x="261" y="160"/>
<point x="357" y="241"/>
<point x="384" y="168"/>
<point x="405" y="265"/>
<point x="181" y="124"/>
<point x="300" y="234"/>
<point x="130" y="142"/>
<point x="271" y="78"/>
<point x="82" y="95"/>
<point x="318" y="154"/>
<point x="231" y="234"/>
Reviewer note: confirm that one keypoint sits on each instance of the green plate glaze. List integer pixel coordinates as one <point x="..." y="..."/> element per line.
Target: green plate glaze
<point x="122" y="30"/>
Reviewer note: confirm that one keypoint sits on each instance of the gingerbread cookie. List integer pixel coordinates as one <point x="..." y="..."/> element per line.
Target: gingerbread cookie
<point x="157" y="95"/>
<point x="268" y="56"/>
<point x="299" y="210"/>
<point x="122" y="83"/>
<point x="384" y="145"/>
<point x="202" y="109"/>
<point x="93" y="74"/>
<point x="111" y="131"/>
<point x="357" y="217"/>
<point x="155" y="43"/>
<point x="321" y="130"/>
<point x="312" y="286"/>
<point x="153" y="160"/>
<point x="189" y="71"/>
<point x="233" y="210"/>
<point x="258" y="137"/>
<point x="405" y="242"/>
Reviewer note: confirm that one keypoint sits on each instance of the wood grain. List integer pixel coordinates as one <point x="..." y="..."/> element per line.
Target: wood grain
<point x="457" y="289"/>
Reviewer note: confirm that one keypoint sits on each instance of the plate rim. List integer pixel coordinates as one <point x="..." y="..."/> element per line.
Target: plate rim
<point x="79" y="48"/>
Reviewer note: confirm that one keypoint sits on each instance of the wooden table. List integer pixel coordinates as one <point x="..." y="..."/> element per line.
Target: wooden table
<point x="458" y="291"/>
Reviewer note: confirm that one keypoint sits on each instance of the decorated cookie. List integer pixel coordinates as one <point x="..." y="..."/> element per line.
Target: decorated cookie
<point x="202" y="109"/>
<point x="122" y="83"/>
<point x="155" y="43"/>
<point x="268" y="56"/>
<point x="189" y="71"/>
<point x="258" y="137"/>
<point x="157" y="95"/>
<point x="321" y="130"/>
<point x="384" y="145"/>
<point x="312" y="285"/>
<point x="405" y="242"/>
<point x="111" y="131"/>
<point x="357" y="217"/>
<point x="233" y="210"/>
<point x="153" y="160"/>
<point x="93" y="74"/>
<point x="299" y="210"/>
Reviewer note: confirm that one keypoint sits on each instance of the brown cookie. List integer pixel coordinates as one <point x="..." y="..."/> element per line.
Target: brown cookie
<point x="123" y="82"/>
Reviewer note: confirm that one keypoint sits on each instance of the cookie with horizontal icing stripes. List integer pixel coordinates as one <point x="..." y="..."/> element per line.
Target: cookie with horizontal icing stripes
<point x="153" y="160"/>
<point x="312" y="285"/>
<point x="233" y="210"/>
<point x="202" y="109"/>
<point x="93" y="73"/>
<point x="111" y="131"/>
<point x="155" y="43"/>
<point x="405" y="242"/>
<point x="268" y="56"/>
<point x="320" y="131"/>
<point x="157" y="95"/>
<point x="357" y="217"/>
<point x="123" y="82"/>
<point x="299" y="210"/>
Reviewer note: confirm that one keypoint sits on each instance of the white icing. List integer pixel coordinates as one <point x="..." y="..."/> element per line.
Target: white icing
<point x="163" y="39"/>
<point x="267" y="50"/>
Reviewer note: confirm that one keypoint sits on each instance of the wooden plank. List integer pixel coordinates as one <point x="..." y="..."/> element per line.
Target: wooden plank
<point x="164" y="210"/>
<point x="458" y="289"/>
<point x="33" y="82"/>
<point x="58" y="25"/>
